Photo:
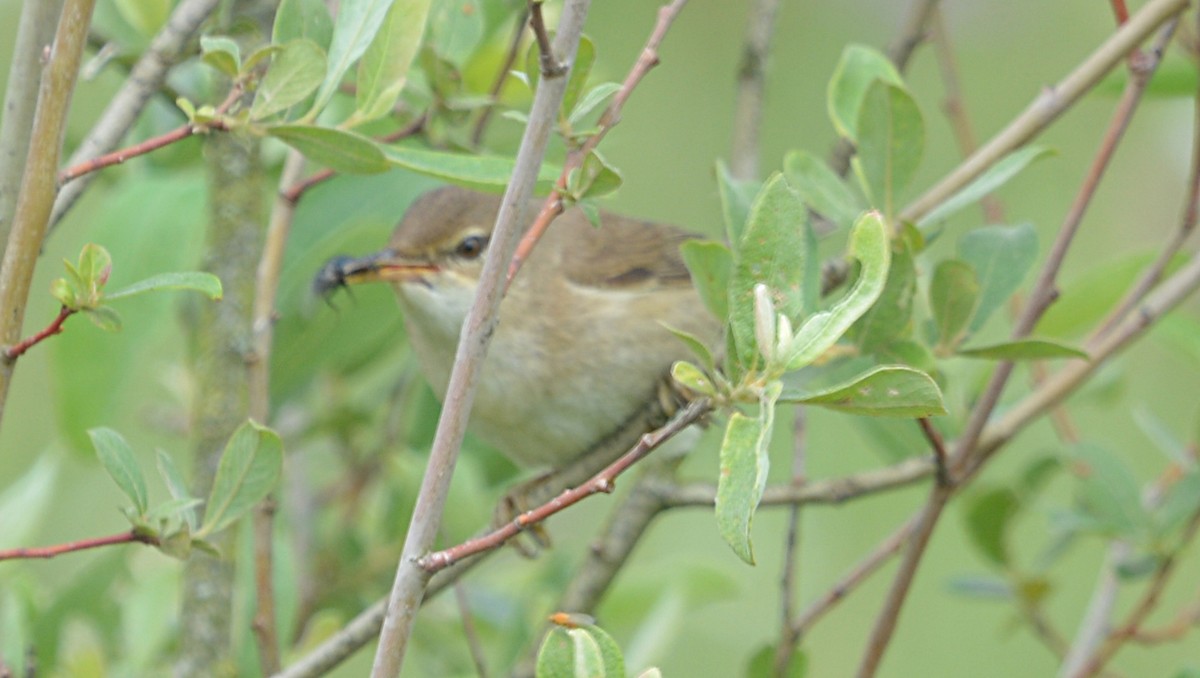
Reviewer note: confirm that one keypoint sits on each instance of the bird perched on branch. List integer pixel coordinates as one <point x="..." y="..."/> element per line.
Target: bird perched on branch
<point x="581" y="353"/>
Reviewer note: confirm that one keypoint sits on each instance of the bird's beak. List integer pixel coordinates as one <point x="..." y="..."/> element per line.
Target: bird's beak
<point x="386" y="265"/>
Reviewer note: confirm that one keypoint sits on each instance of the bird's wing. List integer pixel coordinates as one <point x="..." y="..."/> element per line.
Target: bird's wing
<point x="622" y="253"/>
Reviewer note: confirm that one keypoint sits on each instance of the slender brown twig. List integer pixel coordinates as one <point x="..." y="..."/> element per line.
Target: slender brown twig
<point x="549" y="65"/>
<point x="553" y="206"/>
<point x="789" y="580"/>
<point x="751" y="83"/>
<point x="130" y="537"/>
<point x="603" y="482"/>
<point x="510" y="58"/>
<point x="473" y="642"/>
<point x="16" y="350"/>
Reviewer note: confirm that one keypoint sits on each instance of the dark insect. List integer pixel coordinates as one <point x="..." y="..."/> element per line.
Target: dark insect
<point x="332" y="277"/>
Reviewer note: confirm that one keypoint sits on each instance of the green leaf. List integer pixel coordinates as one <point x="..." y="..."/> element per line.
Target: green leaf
<point x="340" y="150"/>
<point x="297" y="19"/>
<point x="64" y="292"/>
<point x="891" y="138"/>
<point x="1108" y="493"/>
<point x="1023" y="349"/>
<point x="857" y="69"/>
<point x="297" y="70"/>
<point x="821" y="188"/>
<point x="222" y="54"/>
<point x="869" y="245"/>
<point x="710" y="264"/>
<point x="996" y="176"/>
<point x="248" y="471"/>
<point x="455" y="30"/>
<point x="744" y="467"/>
<point x="103" y="317"/>
<point x="594" y="97"/>
<point x="736" y="197"/>
<point x="489" y="173"/>
<point x="357" y="23"/>
<point x="889" y="320"/>
<point x="1001" y="257"/>
<point x="988" y="515"/>
<point x="697" y="347"/>
<point x="579" y="652"/>
<point x="585" y="57"/>
<point x="884" y="391"/>
<point x="205" y="283"/>
<point x="775" y="249"/>
<point x="384" y="68"/>
<point x="953" y="294"/>
<point x="117" y="458"/>
<point x="692" y="377"/>
<point x="593" y="179"/>
<point x="176" y="485"/>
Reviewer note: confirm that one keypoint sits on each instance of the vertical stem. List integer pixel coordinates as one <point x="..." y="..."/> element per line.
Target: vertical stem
<point x="221" y="336"/>
<point x="411" y="579"/>
<point x="748" y="111"/>
<point x="38" y="186"/>
<point x="35" y="30"/>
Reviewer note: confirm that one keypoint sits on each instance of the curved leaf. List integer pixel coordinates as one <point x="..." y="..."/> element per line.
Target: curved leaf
<point x="339" y="150"/>
<point x="384" y="67"/>
<point x="489" y="173"/>
<point x="856" y="70"/>
<point x="744" y="467"/>
<point x="205" y="283"/>
<point x="885" y="391"/>
<point x="117" y="458"/>
<point x="1023" y="349"/>
<point x="996" y="176"/>
<point x="296" y="70"/>
<point x="248" y="470"/>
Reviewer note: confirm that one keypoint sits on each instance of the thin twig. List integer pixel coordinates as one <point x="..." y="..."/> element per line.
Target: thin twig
<point x="1051" y="103"/>
<point x="748" y="107"/>
<point x="411" y="580"/>
<point x="603" y="482"/>
<point x="510" y="58"/>
<point x="130" y="537"/>
<point x="789" y="580"/>
<point x="152" y="144"/>
<point x="472" y="635"/>
<point x="144" y="80"/>
<point x="16" y="350"/>
<point x="550" y="66"/>
<point x="936" y="442"/>
<point x="553" y="206"/>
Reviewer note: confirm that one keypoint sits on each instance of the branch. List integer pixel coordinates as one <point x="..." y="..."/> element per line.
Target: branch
<point x="36" y="199"/>
<point x="1051" y="103"/>
<point x="411" y="580"/>
<point x="748" y="108"/>
<point x="146" y="76"/>
<point x="35" y="30"/>
<point x="130" y="537"/>
<point x="605" y="482"/>
<point x="16" y="350"/>
<point x="553" y="206"/>
<point x="789" y="638"/>
<point x="501" y="76"/>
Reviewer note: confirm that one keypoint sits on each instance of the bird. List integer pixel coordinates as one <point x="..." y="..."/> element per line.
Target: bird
<point x="583" y="347"/>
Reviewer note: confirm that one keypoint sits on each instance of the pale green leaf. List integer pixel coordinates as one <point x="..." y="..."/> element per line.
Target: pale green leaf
<point x="884" y="391"/>
<point x="744" y="466"/>
<point x="889" y="320"/>
<point x="693" y="378"/>
<point x="117" y="458"/>
<point x="891" y="138"/>
<point x="357" y="23"/>
<point x="821" y="188"/>
<point x="222" y="54"/>
<point x="384" y="67"/>
<point x="103" y="317"/>
<point x="585" y="56"/>
<point x="489" y="173"/>
<point x="176" y="485"/>
<point x="593" y="98"/>
<point x="996" y="176"/>
<point x="711" y="264"/>
<point x="249" y="469"/>
<point x="736" y="197"/>
<point x="205" y="283"/>
<point x="1023" y="349"/>
<point x="296" y="19"/>
<point x="1001" y="256"/>
<point x="1108" y="492"/>
<point x="953" y="294"/>
<point x="775" y="250"/>
<point x="340" y="150"/>
<point x="988" y="515"/>
<point x="297" y="70"/>
<point x="870" y="246"/>
<point x="857" y="69"/>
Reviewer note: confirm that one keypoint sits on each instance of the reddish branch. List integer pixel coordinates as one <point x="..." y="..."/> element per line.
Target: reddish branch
<point x="178" y="134"/>
<point x="16" y="350"/>
<point x="609" y="119"/>
<point x="604" y="481"/>
<point x="129" y="537"/>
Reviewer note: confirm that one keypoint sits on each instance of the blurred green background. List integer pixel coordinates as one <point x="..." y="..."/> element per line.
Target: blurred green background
<point x="685" y="602"/>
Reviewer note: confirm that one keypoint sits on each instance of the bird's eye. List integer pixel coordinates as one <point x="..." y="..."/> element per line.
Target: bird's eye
<point x="471" y="246"/>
